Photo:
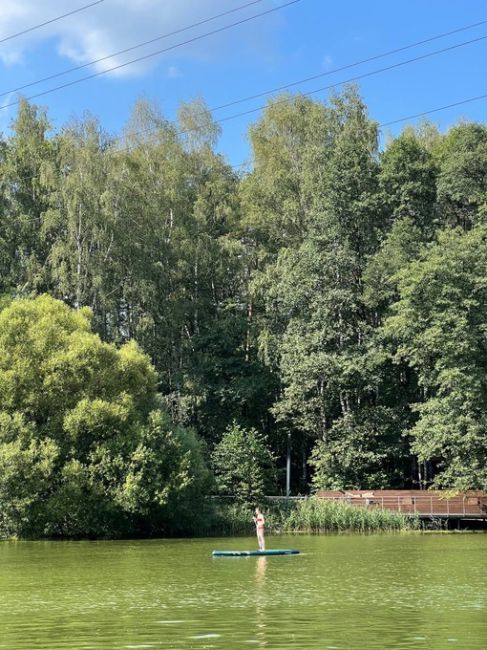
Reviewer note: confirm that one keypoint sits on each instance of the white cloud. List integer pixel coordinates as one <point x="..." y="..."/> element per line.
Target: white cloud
<point x="118" y="24"/>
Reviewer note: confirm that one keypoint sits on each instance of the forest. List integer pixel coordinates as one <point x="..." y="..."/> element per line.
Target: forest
<point x="171" y="324"/>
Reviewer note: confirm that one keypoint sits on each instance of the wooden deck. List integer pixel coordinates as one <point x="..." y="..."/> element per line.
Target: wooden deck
<point x="425" y="504"/>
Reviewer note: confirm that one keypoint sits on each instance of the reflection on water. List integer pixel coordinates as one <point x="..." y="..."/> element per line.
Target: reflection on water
<point x="260" y="569"/>
<point x="384" y="591"/>
<point x="260" y="600"/>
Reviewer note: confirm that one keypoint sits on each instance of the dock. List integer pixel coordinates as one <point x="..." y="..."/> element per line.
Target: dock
<point x="425" y="504"/>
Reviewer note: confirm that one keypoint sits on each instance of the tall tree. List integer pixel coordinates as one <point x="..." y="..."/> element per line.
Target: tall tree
<point x="439" y="326"/>
<point x="26" y="162"/>
<point x="79" y="233"/>
<point x="316" y="330"/>
<point x="462" y="181"/>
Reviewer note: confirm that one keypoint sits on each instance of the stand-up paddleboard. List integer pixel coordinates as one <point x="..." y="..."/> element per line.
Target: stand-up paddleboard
<point x="271" y="551"/>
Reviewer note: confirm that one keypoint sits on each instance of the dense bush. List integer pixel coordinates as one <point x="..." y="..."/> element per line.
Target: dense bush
<point x="85" y="448"/>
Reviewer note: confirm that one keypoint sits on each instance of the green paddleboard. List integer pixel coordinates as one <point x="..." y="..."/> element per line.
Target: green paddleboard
<point x="271" y="551"/>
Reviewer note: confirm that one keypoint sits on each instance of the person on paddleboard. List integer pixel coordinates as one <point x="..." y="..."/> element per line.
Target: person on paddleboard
<point x="259" y="522"/>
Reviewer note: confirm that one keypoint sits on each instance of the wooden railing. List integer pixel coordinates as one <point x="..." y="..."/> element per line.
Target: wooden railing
<point x="423" y="505"/>
<point x="428" y="505"/>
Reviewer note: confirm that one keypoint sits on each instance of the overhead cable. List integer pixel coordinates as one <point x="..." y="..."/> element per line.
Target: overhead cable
<point x="152" y="54"/>
<point x="317" y="90"/>
<point x="129" y="49"/>
<point x="48" y="22"/>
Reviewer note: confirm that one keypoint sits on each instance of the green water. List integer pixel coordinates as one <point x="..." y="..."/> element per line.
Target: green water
<point x="359" y="592"/>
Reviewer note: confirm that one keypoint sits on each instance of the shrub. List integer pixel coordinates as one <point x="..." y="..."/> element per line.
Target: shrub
<point x="85" y="448"/>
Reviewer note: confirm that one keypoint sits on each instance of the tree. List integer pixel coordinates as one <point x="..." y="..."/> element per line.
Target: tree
<point x="178" y="261"/>
<point x="79" y="232"/>
<point x="197" y="126"/>
<point x="84" y="446"/>
<point x="462" y="181"/>
<point x="243" y="464"/>
<point x="362" y="450"/>
<point x="26" y="161"/>
<point x="438" y="326"/>
<point x="407" y="181"/>
<point x="314" y="326"/>
<point x="259" y="298"/>
<point x="290" y="145"/>
<point x="407" y="194"/>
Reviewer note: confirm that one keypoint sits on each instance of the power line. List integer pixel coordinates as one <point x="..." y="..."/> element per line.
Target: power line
<point x="148" y="56"/>
<point x="356" y="78"/>
<point x="317" y="90"/>
<point x="257" y="95"/>
<point x="129" y="49"/>
<point x="306" y="79"/>
<point x="334" y="85"/>
<point x="52" y="20"/>
<point x="434" y="110"/>
<point x="379" y="126"/>
<point x="352" y="65"/>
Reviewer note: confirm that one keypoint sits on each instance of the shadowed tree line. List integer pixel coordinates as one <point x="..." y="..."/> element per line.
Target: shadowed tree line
<point x="335" y="294"/>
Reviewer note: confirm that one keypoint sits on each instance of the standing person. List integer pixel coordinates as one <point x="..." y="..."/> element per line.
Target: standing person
<point x="259" y="522"/>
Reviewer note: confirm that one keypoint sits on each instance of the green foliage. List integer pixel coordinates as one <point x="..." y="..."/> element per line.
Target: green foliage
<point x="407" y="181"/>
<point x="401" y="245"/>
<point x="462" y="182"/>
<point x="317" y="515"/>
<point x="325" y="295"/>
<point x="290" y="149"/>
<point x="27" y="466"/>
<point x="439" y="326"/>
<point x="243" y="464"/>
<point x="315" y="328"/>
<point x="25" y="162"/>
<point x="362" y="450"/>
<point x="84" y="447"/>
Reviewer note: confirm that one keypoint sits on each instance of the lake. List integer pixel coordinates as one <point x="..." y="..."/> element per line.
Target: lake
<point x="350" y="591"/>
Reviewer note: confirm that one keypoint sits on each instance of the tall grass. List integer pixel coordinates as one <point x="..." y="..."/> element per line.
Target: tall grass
<point x="316" y="515"/>
<point x="311" y="515"/>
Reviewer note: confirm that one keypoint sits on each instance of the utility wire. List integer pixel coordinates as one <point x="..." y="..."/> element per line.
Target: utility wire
<point x="374" y="72"/>
<point x="434" y="110"/>
<point x="317" y="90"/>
<point x="148" y="56"/>
<point x="52" y="20"/>
<point x="129" y="49"/>
<point x="264" y="93"/>
<point x="352" y="65"/>
<point x="356" y="78"/>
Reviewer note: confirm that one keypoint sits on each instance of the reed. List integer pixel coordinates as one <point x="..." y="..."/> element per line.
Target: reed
<point x="315" y="516"/>
<point x="311" y="515"/>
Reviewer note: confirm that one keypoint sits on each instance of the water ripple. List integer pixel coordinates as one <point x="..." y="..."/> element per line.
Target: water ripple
<point x="345" y="592"/>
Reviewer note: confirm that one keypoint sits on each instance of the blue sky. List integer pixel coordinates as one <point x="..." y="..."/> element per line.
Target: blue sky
<point x="304" y="39"/>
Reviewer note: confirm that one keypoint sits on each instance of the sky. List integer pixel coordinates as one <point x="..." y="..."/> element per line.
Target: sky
<point x="306" y="38"/>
